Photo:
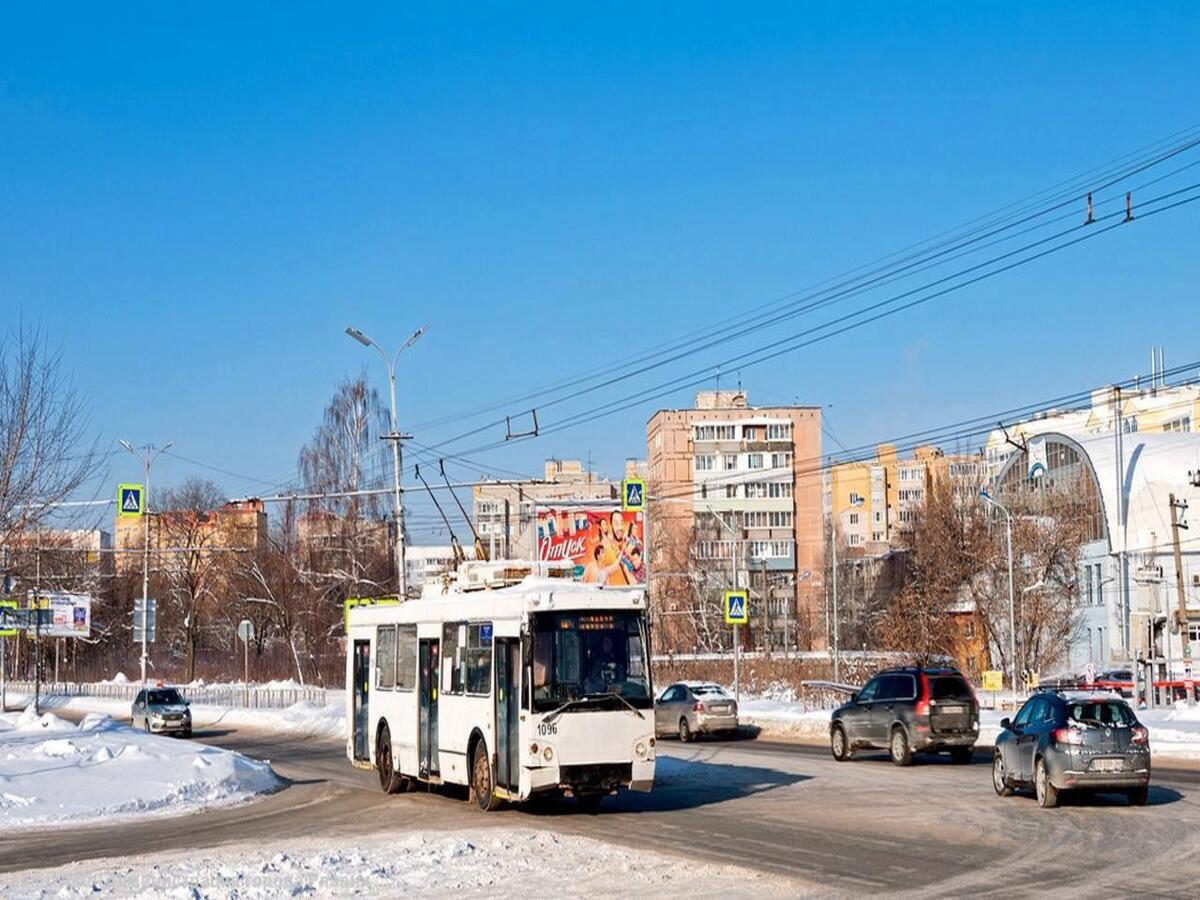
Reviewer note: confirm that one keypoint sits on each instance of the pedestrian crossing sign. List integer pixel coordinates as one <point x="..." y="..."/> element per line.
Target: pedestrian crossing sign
<point x="737" y="608"/>
<point x="633" y="495"/>
<point x="130" y="500"/>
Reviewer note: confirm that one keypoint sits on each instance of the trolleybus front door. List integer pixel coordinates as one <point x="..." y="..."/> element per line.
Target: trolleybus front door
<point x="362" y="683"/>
<point x="508" y="665"/>
<point x="427" y="739"/>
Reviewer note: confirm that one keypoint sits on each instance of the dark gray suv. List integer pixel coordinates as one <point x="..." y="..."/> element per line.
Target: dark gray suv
<point x="908" y="711"/>
<point x="1073" y="742"/>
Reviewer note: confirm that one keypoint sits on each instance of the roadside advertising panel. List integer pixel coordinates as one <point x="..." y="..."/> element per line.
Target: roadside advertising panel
<point x="606" y="544"/>
<point x="70" y="615"/>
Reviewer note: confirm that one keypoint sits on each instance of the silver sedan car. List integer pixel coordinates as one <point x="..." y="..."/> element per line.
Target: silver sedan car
<point x="689" y="708"/>
<point x="161" y="711"/>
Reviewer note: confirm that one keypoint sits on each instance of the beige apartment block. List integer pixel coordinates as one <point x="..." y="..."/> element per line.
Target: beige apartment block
<point x="757" y="471"/>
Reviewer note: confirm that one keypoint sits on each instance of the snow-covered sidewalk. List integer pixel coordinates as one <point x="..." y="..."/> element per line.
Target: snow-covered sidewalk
<point x="54" y="772"/>
<point x="481" y="863"/>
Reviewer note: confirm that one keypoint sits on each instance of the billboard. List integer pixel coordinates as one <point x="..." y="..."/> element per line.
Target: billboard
<point x="66" y="615"/>
<point x="606" y="543"/>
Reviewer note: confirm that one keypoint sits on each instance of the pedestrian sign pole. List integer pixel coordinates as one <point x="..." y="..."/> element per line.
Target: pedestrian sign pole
<point x="737" y="613"/>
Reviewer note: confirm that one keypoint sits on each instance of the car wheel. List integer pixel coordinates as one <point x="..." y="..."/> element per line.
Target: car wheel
<point x="1138" y="796"/>
<point x="482" y="785"/>
<point x="838" y="745"/>
<point x="685" y="730"/>
<point x="390" y="780"/>
<point x="899" y="747"/>
<point x="1000" y="777"/>
<point x="960" y="756"/>
<point x="1047" y="793"/>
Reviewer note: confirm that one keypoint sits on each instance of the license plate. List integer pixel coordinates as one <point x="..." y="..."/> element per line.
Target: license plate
<point x="1108" y="765"/>
<point x="951" y="710"/>
<point x="721" y="709"/>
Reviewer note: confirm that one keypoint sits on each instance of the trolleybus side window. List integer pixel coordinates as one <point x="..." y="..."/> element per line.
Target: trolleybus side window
<point x="453" y="637"/>
<point x="479" y="658"/>
<point x="406" y="657"/>
<point x="385" y="657"/>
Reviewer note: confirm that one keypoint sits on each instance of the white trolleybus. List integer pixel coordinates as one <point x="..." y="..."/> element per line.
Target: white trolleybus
<point x="512" y="683"/>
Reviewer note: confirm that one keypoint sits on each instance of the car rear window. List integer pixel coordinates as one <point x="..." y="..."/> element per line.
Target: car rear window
<point x="707" y="689"/>
<point x="1099" y="712"/>
<point x="949" y="687"/>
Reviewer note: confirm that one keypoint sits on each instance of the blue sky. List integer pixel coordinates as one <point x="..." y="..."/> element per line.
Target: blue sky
<point x="195" y="206"/>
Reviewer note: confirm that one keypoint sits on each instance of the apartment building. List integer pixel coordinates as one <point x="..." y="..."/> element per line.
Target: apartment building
<point x="736" y="485"/>
<point x="875" y="502"/>
<point x="240" y="524"/>
<point x="503" y="512"/>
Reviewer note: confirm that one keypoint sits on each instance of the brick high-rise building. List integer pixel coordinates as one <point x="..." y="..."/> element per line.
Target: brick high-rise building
<point x="757" y="469"/>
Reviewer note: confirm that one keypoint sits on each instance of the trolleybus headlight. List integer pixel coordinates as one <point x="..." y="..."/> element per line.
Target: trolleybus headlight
<point x="533" y="749"/>
<point x="640" y="750"/>
<point x="548" y="754"/>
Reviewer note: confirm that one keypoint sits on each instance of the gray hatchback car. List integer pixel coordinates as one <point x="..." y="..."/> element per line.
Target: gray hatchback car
<point x="908" y="711"/>
<point x="161" y="711"/>
<point x="1073" y="742"/>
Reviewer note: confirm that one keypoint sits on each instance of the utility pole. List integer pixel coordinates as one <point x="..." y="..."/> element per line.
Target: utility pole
<point x="1122" y="586"/>
<point x="1178" y="508"/>
<point x="395" y="437"/>
<point x="148" y="454"/>
<point x="767" y="641"/>
<point x="1012" y="604"/>
<point x="37" y="623"/>
<point x="833" y="543"/>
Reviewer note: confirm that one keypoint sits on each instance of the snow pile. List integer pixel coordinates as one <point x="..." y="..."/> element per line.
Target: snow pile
<point x="487" y="863"/>
<point x="119" y="678"/>
<point x="779" y="717"/>
<point x="53" y="772"/>
<point x="304" y="718"/>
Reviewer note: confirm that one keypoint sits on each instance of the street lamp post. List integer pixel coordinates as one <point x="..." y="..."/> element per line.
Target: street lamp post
<point x="395" y="437"/>
<point x="1012" y="606"/>
<point x="147" y="455"/>
<point x="737" y="647"/>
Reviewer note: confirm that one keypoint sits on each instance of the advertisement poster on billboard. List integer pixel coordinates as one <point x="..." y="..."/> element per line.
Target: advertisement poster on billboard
<point x="606" y="544"/>
<point x="69" y="615"/>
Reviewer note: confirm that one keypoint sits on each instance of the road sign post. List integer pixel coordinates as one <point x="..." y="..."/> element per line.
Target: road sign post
<point x="245" y="631"/>
<point x="7" y="630"/>
<point x="737" y="613"/>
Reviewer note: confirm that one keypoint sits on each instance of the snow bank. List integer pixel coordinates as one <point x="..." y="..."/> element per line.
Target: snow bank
<point x="481" y="863"/>
<point x="53" y="772"/>
<point x="300" y="719"/>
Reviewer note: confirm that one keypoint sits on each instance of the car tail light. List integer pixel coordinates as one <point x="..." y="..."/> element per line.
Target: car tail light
<point x="1141" y="735"/>
<point x="922" y="708"/>
<point x="699" y="707"/>
<point x="1068" y="735"/>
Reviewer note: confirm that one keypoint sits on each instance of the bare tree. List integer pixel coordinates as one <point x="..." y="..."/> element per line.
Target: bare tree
<point x="344" y="536"/>
<point x="190" y="569"/>
<point x="920" y="620"/>
<point x="45" y="453"/>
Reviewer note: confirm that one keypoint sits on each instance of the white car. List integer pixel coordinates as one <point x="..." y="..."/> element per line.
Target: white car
<point x="689" y="708"/>
<point x="161" y="711"/>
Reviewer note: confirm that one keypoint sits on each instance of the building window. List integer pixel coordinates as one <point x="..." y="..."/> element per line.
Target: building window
<point x="779" y="432"/>
<point x="729" y="463"/>
<point x="780" y="519"/>
<point x="752" y="432"/>
<point x="779" y="489"/>
<point x="704" y="463"/>
<point x="1183" y="423"/>
<point x="853" y="518"/>
<point x="856" y="499"/>
<point x="731" y="491"/>
<point x="855" y="540"/>
<point x="754" y="461"/>
<point x="781" y="460"/>
<point x="726" y="432"/>
<point x="877" y="535"/>
<point x="756" y="490"/>
<point x="705" y="433"/>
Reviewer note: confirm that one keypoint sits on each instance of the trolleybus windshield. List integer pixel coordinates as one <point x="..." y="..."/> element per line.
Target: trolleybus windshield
<point x="589" y="655"/>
